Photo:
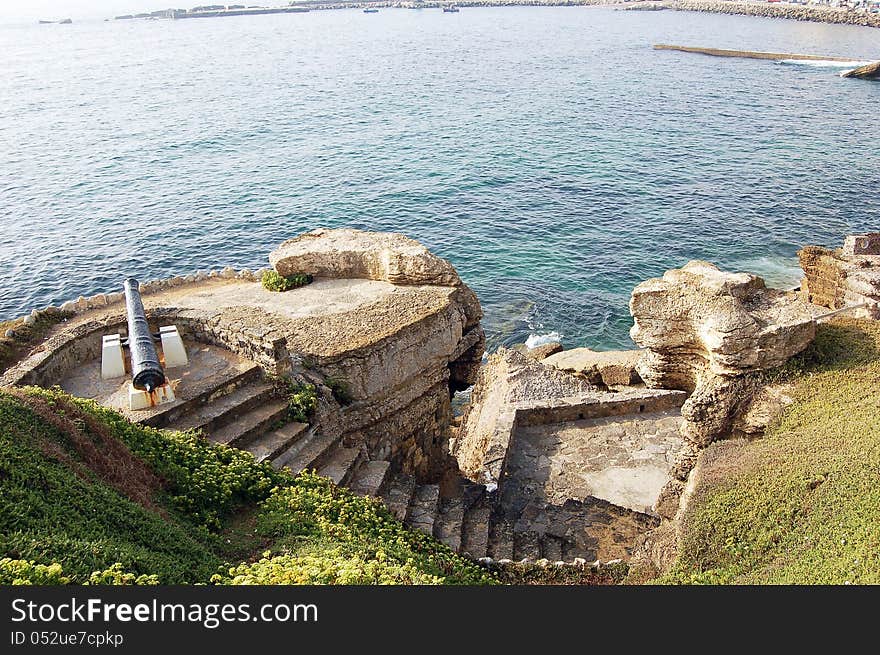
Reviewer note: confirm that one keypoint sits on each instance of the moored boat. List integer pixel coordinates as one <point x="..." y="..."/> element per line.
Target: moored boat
<point x="451" y="10"/>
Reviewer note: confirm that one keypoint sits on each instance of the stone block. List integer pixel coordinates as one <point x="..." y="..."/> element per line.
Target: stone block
<point x="862" y="244"/>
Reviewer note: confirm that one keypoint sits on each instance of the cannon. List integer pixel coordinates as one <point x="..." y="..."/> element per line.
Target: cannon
<point x="146" y="371"/>
<point x="149" y="384"/>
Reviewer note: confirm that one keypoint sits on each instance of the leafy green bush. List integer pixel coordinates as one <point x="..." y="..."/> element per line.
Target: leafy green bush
<point x="331" y="567"/>
<point x="55" y="510"/>
<point x="24" y="572"/>
<point x="205" y="481"/>
<point x="115" y="575"/>
<point x="302" y="399"/>
<point x="60" y="522"/>
<point x="315" y="517"/>
<point x="273" y="281"/>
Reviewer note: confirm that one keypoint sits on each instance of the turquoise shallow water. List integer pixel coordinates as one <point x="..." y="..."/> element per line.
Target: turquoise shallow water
<point x="550" y="153"/>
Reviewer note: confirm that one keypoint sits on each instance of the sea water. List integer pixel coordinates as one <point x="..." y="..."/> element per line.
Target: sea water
<point x="550" y="153"/>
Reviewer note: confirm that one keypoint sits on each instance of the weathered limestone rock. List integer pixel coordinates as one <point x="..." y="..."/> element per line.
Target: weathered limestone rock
<point x="611" y="368"/>
<point x="542" y="352"/>
<point x="842" y="278"/>
<point x="398" y="351"/>
<point x="347" y="253"/>
<point x="707" y="331"/>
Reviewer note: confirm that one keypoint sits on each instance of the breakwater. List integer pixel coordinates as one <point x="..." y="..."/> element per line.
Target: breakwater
<point x="748" y="54"/>
<point x="775" y="10"/>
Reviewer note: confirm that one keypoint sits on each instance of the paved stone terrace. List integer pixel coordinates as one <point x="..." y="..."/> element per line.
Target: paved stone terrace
<point x="625" y="460"/>
<point x="209" y="368"/>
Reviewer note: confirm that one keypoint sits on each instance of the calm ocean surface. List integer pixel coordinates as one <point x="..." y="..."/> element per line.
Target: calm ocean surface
<point x="549" y="153"/>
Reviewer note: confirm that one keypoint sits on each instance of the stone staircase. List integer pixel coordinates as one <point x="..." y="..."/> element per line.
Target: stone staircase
<point x="240" y="410"/>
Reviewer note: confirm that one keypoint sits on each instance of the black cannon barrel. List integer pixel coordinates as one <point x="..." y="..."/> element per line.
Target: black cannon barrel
<point x="146" y="372"/>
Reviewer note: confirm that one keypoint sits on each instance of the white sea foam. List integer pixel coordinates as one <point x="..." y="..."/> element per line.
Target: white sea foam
<point x="536" y="340"/>
<point x="824" y="63"/>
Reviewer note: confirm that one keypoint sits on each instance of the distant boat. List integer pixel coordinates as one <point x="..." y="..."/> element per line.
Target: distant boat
<point x="368" y="10"/>
<point x="451" y="10"/>
<point x="66" y="21"/>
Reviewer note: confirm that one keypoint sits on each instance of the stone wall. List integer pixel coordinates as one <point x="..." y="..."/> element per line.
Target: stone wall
<point x="845" y="277"/>
<point x="62" y="352"/>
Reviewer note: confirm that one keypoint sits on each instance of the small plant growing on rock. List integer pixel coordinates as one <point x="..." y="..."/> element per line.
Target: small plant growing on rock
<point x="302" y="398"/>
<point x="340" y="390"/>
<point x="273" y="281"/>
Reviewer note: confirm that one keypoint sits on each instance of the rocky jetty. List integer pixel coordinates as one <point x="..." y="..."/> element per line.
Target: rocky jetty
<point x="778" y="10"/>
<point x="706" y="331"/>
<point x="867" y="72"/>
<point x="845" y="277"/>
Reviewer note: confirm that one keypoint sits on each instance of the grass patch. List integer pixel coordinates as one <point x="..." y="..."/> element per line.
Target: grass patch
<point x="801" y="505"/>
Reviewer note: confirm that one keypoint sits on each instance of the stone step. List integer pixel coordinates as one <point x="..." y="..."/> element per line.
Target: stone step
<point x="475" y="530"/>
<point x="371" y="478"/>
<point x="204" y="392"/>
<point x="223" y="410"/>
<point x="250" y="425"/>
<point x="398" y="495"/>
<point x="270" y="445"/>
<point x="308" y="453"/>
<point x="551" y="548"/>
<point x="501" y="539"/>
<point x="422" y="511"/>
<point x="526" y="545"/>
<point x="447" y="527"/>
<point x="341" y="465"/>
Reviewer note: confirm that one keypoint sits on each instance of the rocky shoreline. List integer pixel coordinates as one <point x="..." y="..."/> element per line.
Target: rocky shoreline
<point x="816" y="14"/>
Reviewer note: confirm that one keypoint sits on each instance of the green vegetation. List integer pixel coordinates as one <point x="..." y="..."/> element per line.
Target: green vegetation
<point x="302" y="399"/>
<point x="273" y="281"/>
<point x="802" y="504"/>
<point x="325" y="534"/>
<point x="339" y="388"/>
<point x="88" y="498"/>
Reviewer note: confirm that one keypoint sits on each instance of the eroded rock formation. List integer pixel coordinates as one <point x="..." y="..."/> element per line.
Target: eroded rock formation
<point x="845" y="277"/>
<point x="707" y="331"/>
<point x="347" y="253"/>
